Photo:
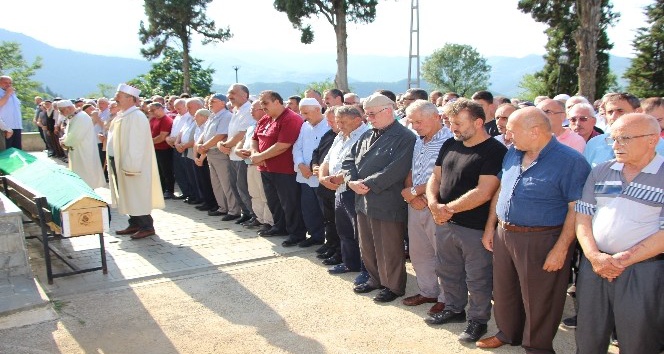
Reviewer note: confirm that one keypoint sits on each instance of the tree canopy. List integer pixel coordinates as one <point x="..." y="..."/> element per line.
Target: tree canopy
<point x="456" y="67"/>
<point x="337" y="13"/>
<point x="177" y="21"/>
<point x="14" y="65"/>
<point x="562" y="57"/>
<point x="166" y="78"/>
<point x="646" y="73"/>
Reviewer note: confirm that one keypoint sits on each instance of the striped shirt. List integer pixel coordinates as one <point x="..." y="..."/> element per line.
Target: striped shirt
<point x="425" y="155"/>
<point x="624" y="214"/>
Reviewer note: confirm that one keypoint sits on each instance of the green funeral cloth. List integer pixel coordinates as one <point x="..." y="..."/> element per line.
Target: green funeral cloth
<point x="58" y="184"/>
<point x="13" y="159"/>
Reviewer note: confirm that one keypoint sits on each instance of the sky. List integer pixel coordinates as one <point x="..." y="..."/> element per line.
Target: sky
<point x="493" y="27"/>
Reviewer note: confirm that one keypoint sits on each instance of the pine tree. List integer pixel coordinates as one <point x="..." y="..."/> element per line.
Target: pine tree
<point x="646" y="73"/>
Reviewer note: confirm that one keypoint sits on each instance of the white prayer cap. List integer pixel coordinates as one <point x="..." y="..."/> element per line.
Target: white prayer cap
<point x="309" y="101"/>
<point x="64" y="103"/>
<point x="130" y="90"/>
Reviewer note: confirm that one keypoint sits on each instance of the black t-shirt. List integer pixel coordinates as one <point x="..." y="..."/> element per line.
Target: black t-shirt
<point x="491" y="128"/>
<point x="462" y="167"/>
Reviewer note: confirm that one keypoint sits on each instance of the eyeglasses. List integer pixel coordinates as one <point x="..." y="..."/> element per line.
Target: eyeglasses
<point x="372" y="115"/>
<point x="548" y="111"/>
<point x="578" y="118"/>
<point x="623" y="140"/>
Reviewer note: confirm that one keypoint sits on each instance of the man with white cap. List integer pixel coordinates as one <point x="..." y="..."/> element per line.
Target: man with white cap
<point x="311" y="132"/>
<point x="134" y="182"/>
<point x="81" y="142"/>
<point x="10" y="112"/>
<point x="376" y="168"/>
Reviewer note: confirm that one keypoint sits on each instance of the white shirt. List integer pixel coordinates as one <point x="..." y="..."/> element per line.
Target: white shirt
<point x="304" y="146"/>
<point x="240" y="121"/>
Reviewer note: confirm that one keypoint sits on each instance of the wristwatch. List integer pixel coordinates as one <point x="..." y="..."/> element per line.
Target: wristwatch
<point x="413" y="191"/>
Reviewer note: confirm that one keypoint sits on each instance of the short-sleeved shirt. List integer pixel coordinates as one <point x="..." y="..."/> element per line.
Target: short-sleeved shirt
<point x="573" y="140"/>
<point x="216" y="124"/>
<point x="158" y="125"/>
<point x="425" y="155"/>
<point x="540" y="194"/>
<point x="241" y="120"/>
<point x="461" y="168"/>
<point x="624" y="214"/>
<point x="283" y="129"/>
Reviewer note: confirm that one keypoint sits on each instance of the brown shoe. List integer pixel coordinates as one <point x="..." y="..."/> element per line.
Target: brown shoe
<point x="490" y="343"/>
<point x="142" y="234"/>
<point x="437" y="308"/>
<point x="128" y="231"/>
<point x="417" y="300"/>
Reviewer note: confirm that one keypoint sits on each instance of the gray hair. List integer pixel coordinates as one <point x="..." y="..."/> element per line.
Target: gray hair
<point x="423" y="107"/>
<point x="199" y="101"/>
<point x="203" y="112"/>
<point x="584" y="105"/>
<point x="347" y="111"/>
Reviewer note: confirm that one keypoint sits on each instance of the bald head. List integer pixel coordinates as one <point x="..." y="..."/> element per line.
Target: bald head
<point x="533" y="117"/>
<point x="637" y="122"/>
<point x="529" y="129"/>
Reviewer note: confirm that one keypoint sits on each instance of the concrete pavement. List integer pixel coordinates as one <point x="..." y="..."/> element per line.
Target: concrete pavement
<point x="207" y="286"/>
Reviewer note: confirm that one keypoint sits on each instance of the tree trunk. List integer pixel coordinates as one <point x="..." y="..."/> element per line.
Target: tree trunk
<point x="341" y="79"/>
<point x="186" y="83"/>
<point x="589" y="12"/>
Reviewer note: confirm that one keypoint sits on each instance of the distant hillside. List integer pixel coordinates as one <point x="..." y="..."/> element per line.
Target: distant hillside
<point x="74" y="74"/>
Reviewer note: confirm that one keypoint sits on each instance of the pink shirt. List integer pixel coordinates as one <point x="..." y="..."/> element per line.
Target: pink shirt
<point x="573" y="140"/>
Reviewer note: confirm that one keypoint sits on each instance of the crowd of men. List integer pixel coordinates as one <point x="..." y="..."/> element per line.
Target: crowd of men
<point x="487" y="196"/>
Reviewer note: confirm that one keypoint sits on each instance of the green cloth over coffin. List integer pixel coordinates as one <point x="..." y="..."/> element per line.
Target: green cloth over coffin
<point x="59" y="185"/>
<point x="13" y="159"/>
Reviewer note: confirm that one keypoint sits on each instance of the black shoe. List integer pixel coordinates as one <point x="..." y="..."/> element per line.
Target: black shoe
<point x="447" y="316"/>
<point x="251" y="223"/>
<point x="570" y="322"/>
<point x="193" y="201"/>
<point x="473" y="332"/>
<point x="385" y="295"/>
<point x="327" y="254"/>
<point x="322" y="249"/>
<point x="310" y="242"/>
<point x="334" y="260"/>
<point x="290" y="242"/>
<point x="168" y="195"/>
<point x="264" y="227"/>
<point x="230" y="217"/>
<point x="216" y="213"/>
<point x="181" y="197"/>
<point x="272" y="232"/>
<point x="243" y="218"/>
<point x="207" y="207"/>
<point x="364" y="288"/>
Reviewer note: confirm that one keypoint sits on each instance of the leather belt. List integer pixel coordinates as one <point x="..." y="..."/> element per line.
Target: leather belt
<point x="516" y="228"/>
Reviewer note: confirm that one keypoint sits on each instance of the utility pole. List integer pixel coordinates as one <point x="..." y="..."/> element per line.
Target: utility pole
<point x="414" y="35"/>
<point x="236" y="68"/>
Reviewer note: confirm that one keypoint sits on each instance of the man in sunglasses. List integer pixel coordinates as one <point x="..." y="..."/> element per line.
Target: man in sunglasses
<point x="581" y="117"/>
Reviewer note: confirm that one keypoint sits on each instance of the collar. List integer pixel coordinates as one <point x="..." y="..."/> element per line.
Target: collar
<point x="129" y="110"/>
<point x="652" y="168"/>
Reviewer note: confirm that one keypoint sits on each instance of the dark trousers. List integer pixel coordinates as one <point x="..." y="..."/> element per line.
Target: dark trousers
<point x="55" y="144"/>
<point x="381" y="244"/>
<point x="346" y="220"/>
<point x="632" y="303"/>
<point x="326" y="198"/>
<point x="190" y="172"/>
<point x="15" y="140"/>
<point x="283" y="199"/>
<point x="528" y="301"/>
<point x="311" y="212"/>
<point x="180" y="173"/>
<point x="165" y="167"/>
<point x="143" y="222"/>
<point x="239" y="185"/>
<point x="205" y="185"/>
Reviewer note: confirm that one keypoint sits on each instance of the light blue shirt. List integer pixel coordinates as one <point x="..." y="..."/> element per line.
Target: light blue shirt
<point x="598" y="151"/>
<point x="338" y="151"/>
<point x="304" y="146"/>
<point x="10" y="112"/>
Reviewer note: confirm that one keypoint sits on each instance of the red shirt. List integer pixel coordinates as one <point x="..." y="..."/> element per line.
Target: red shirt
<point x="158" y="125"/>
<point x="285" y="129"/>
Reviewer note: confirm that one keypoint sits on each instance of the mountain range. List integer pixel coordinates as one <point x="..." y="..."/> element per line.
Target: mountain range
<point x="75" y="74"/>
